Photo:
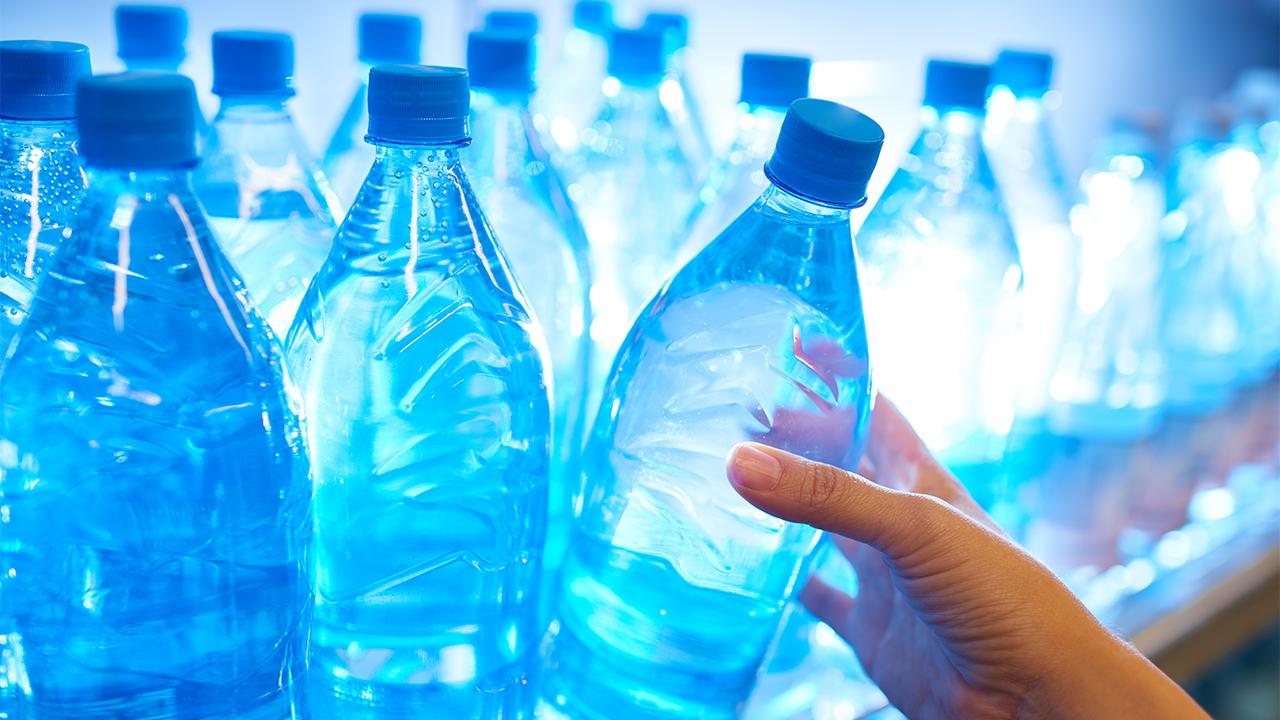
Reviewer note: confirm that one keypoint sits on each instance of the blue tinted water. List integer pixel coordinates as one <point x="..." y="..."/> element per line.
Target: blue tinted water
<point x="40" y="188"/>
<point x="269" y="205"/>
<point x="675" y="585"/>
<point x="423" y="381"/>
<point x="944" y="309"/>
<point x="525" y="202"/>
<point x="156" y="497"/>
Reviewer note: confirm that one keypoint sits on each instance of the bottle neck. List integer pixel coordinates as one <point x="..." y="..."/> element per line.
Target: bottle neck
<point x="1005" y="107"/>
<point x="799" y="210"/>
<point x="48" y="135"/>
<point x="138" y="181"/>
<point x="153" y="64"/>
<point x="239" y="108"/>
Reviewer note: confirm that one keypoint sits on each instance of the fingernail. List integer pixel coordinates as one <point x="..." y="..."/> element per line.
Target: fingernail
<point x="752" y="469"/>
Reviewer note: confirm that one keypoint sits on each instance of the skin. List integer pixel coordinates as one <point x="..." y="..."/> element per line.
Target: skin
<point x="952" y="618"/>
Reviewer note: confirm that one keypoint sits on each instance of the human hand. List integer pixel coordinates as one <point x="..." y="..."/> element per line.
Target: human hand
<point x="952" y="618"/>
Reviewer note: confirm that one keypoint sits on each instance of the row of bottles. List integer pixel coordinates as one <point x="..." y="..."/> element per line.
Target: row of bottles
<point x="508" y="263"/>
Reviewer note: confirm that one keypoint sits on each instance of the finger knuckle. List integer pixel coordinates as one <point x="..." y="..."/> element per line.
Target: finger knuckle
<point x="821" y="486"/>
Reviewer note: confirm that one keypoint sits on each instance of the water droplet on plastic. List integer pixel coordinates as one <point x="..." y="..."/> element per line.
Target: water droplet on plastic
<point x="382" y="257"/>
<point x="386" y="283"/>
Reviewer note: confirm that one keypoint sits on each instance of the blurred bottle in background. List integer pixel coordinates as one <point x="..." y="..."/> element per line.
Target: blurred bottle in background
<point x="526" y="203"/>
<point x="570" y="94"/>
<point x="267" y="201"/>
<point x="1108" y="388"/>
<point x="153" y="37"/>
<point x="1018" y="141"/>
<point x="40" y="178"/>
<point x="518" y="22"/>
<point x="633" y="185"/>
<point x="736" y="177"/>
<point x="422" y="375"/>
<point x="943" y="285"/>
<point x="675" y="90"/>
<point x="384" y="39"/>
<point x="157" y="526"/>
<point x="675" y="587"/>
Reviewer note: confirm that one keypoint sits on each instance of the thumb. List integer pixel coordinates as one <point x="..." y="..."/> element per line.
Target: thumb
<point x="799" y="490"/>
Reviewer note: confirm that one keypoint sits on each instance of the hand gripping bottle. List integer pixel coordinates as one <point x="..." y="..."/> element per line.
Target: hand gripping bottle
<point x="675" y="585"/>
<point x="385" y="38"/>
<point x="269" y="204"/>
<point x="40" y="178"/>
<point x="525" y="201"/>
<point x="422" y="371"/>
<point x="156" y="499"/>
<point x="942" y="282"/>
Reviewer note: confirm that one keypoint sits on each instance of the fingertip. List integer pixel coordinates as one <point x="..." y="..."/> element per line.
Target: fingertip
<point x="750" y="467"/>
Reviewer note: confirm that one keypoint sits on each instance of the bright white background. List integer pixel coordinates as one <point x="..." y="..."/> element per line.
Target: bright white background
<point x="1113" y="56"/>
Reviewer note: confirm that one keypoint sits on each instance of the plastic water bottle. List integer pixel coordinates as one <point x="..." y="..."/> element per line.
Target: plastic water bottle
<point x="1110" y="380"/>
<point x="942" y="283"/>
<point x="634" y="185"/>
<point x="675" y="586"/>
<point x="153" y="37"/>
<point x="1108" y="389"/>
<point x="268" y="202"/>
<point x="1019" y="143"/>
<point x="40" y="179"/>
<point x="770" y="83"/>
<point x="156" y="497"/>
<point x="1256" y="257"/>
<point x="569" y="95"/>
<point x="422" y="375"/>
<point x="384" y="39"/>
<point x="676" y="93"/>
<point x="526" y="204"/>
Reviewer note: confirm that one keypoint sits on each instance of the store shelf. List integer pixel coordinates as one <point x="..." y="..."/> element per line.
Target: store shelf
<point x="1192" y="616"/>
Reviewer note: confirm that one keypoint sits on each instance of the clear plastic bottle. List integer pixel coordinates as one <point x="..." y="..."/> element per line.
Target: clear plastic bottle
<point x="568" y="99"/>
<point x="942" y="282"/>
<point x="525" y="202"/>
<point x="1110" y="380"/>
<point x="267" y="201"/>
<point x="153" y="37"/>
<point x="676" y="92"/>
<point x="40" y="178"/>
<point x="675" y="586"/>
<point x="770" y="83"/>
<point x="156" y="492"/>
<point x="633" y="186"/>
<point x="1019" y="143"/>
<point x="422" y="375"/>
<point x="1108" y="389"/>
<point x="384" y="38"/>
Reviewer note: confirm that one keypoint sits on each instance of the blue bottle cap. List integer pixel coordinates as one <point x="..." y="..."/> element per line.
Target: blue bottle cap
<point x="1024" y="73"/>
<point x="500" y="60"/>
<point x="957" y="85"/>
<point x="826" y="152"/>
<point x="676" y="25"/>
<point x="636" y="57"/>
<point x="594" y="16"/>
<point x="388" y="38"/>
<point x="517" y="21"/>
<point x="154" y="33"/>
<point x="251" y="62"/>
<point x="137" y="120"/>
<point x="774" y="80"/>
<point x="418" y="105"/>
<point x="38" y="78"/>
